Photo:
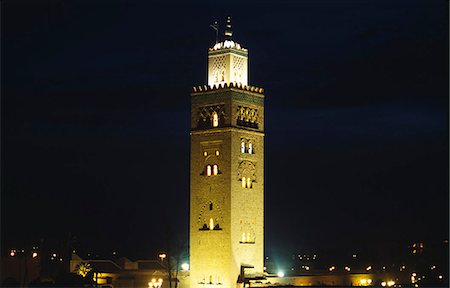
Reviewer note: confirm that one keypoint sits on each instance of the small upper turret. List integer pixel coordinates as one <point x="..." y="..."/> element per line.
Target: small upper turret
<point x="227" y="61"/>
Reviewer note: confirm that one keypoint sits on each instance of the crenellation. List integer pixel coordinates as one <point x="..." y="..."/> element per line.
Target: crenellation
<point x="221" y="86"/>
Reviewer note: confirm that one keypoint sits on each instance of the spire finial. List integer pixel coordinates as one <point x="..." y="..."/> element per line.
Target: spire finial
<point x="228" y="32"/>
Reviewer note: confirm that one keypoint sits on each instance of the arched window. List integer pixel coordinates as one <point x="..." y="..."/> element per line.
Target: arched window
<point x="243" y="182"/>
<point x="211" y="223"/>
<point x="223" y="75"/>
<point x="249" y="183"/>
<point x="242" y="147"/>
<point x="215" y="169"/>
<point x="243" y="237"/>
<point x="215" y="119"/>
<point x="208" y="170"/>
<point x="250" y="148"/>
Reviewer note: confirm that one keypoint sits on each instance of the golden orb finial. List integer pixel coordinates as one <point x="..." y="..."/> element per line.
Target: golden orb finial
<point x="228" y="31"/>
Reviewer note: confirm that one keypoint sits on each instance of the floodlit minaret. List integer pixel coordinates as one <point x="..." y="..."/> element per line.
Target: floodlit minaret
<point x="226" y="172"/>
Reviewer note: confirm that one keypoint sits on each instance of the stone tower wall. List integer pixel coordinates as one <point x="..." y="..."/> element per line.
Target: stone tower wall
<point x="216" y="255"/>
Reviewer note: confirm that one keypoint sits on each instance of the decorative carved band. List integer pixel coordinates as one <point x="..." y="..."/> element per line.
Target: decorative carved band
<point x="206" y="88"/>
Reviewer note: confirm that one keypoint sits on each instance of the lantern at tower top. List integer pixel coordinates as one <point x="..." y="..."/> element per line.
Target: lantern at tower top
<point x="227" y="61"/>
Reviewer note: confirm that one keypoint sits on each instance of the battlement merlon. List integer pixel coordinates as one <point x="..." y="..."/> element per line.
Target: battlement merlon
<point x="227" y="86"/>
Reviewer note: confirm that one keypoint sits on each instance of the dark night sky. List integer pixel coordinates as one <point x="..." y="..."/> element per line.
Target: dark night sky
<point x="95" y="119"/>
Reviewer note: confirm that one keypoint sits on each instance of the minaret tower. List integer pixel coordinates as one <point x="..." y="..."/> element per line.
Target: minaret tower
<point x="226" y="172"/>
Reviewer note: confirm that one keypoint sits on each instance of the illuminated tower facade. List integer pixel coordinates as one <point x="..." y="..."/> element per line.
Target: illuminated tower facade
<point x="226" y="172"/>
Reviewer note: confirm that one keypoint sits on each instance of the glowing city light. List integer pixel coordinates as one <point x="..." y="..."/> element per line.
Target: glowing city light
<point x="365" y="282"/>
<point x="390" y="283"/>
<point x="34" y="254"/>
<point x="347" y="268"/>
<point x="369" y="268"/>
<point x="155" y="284"/>
<point x="162" y="256"/>
<point x="440" y="277"/>
<point x="383" y="284"/>
<point x="185" y="267"/>
<point x="12" y="253"/>
<point x="280" y="274"/>
<point x="332" y="268"/>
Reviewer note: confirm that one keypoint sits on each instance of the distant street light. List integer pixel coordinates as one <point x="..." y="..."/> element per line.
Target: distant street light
<point x="185" y="267"/>
<point x="155" y="284"/>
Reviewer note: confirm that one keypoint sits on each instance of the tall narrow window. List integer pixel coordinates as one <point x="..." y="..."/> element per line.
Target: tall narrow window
<point x="208" y="170"/>
<point x="250" y="148"/>
<point x="243" y="182"/>
<point x="210" y="206"/>
<point x="243" y="236"/>
<point x="215" y="118"/>
<point x="211" y="223"/>
<point x="249" y="183"/>
<point x="242" y="147"/>
<point x="215" y="170"/>
<point x="223" y="75"/>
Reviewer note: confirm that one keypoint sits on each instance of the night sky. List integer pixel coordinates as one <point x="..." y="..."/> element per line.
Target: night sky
<point x="96" y="119"/>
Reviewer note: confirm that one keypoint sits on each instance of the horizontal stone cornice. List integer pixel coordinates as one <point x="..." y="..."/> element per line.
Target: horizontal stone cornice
<point x="226" y="129"/>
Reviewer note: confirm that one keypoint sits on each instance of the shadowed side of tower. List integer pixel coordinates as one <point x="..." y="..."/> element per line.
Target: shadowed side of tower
<point x="226" y="171"/>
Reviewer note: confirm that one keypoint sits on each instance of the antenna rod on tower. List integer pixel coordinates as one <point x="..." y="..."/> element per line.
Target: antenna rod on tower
<point x="215" y="26"/>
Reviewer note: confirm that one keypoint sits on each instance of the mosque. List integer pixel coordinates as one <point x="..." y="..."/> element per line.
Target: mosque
<point x="226" y="172"/>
